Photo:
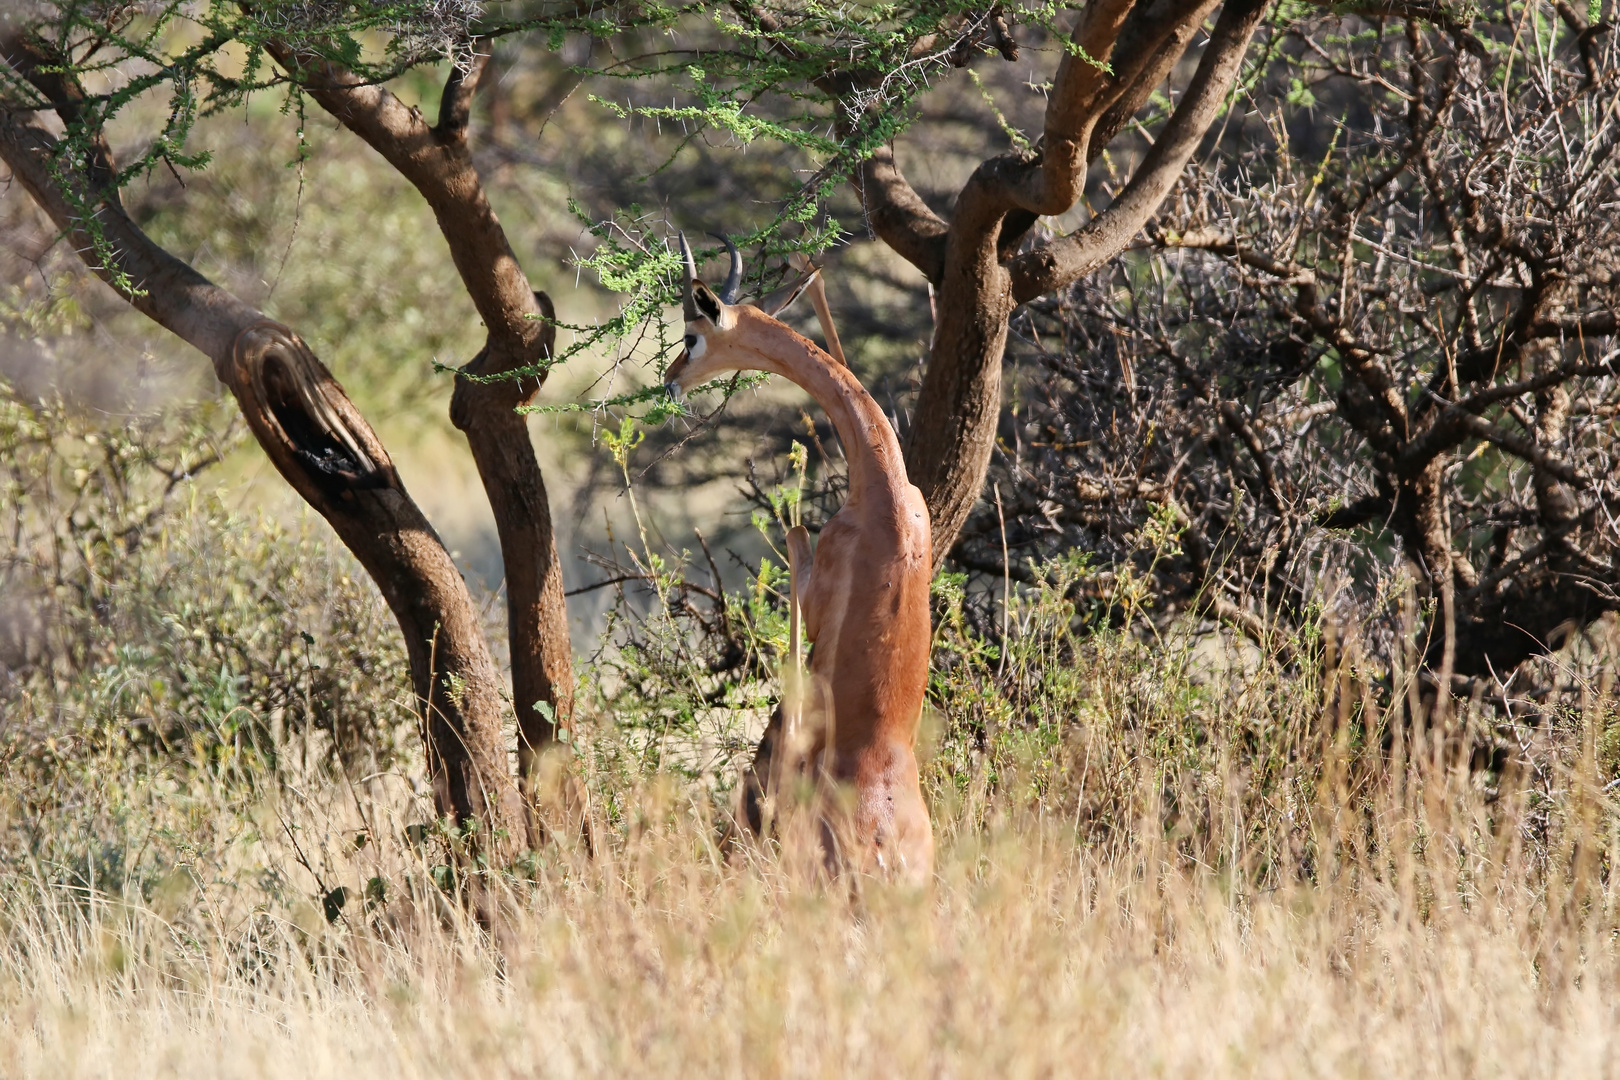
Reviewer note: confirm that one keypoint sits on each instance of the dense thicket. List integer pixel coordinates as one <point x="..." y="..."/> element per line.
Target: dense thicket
<point x="1369" y="341"/>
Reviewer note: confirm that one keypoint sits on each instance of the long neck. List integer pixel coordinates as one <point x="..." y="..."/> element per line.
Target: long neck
<point x="876" y="467"/>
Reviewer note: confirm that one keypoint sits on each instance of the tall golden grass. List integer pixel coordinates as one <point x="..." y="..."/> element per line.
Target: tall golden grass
<point x="1144" y="870"/>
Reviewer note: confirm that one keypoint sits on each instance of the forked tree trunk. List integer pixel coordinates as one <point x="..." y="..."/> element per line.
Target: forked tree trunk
<point x="1125" y="50"/>
<point x="319" y="442"/>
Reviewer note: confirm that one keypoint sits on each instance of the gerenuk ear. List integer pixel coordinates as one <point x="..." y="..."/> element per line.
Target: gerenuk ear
<point x="708" y="304"/>
<point x="783" y="299"/>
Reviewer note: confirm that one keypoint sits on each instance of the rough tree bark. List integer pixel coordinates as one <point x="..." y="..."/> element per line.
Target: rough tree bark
<point x="438" y="161"/>
<point x="322" y="445"/>
<point x="974" y="259"/>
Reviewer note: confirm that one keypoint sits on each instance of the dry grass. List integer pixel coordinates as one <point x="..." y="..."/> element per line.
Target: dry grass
<point x="1194" y="920"/>
<point x="1031" y="956"/>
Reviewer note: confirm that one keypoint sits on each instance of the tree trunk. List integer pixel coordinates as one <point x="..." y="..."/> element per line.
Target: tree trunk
<point x="437" y="160"/>
<point x="953" y="429"/>
<point x="537" y="614"/>
<point x="327" y="451"/>
<point x="974" y="260"/>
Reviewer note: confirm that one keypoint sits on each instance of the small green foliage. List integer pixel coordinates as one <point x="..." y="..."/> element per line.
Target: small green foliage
<point x="168" y="622"/>
<point x="622" y="443"/>
<point x="786" y="502"/>
<point x="1014" y="136"/>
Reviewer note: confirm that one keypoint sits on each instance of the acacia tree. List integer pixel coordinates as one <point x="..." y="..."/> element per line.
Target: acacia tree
<point x="989" y="252"/>
<point x="1116" y="56"/>
<point x="300" y="416"/>
<point x="83" y="65"/>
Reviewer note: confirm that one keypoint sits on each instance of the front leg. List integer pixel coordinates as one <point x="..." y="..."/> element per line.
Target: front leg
<point x="800" y="562"/>
<point x="780" y="748"/>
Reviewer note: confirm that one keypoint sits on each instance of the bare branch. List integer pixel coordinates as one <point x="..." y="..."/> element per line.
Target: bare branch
<point x="1361" y="358"/>
<point x="898" y="215"/>
<point x="455" y="105"/>
<point x="1517" y="445"/>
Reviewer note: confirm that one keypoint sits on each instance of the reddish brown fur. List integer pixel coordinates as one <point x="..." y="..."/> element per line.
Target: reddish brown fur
<point x="865" y="602"/>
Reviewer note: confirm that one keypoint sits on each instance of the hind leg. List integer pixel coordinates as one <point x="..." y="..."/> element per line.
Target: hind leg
<point x="759" y="778"/>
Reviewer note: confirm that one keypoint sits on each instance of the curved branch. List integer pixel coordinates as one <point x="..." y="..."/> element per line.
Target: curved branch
<point x="1126" y="49"/>
<point x="1467" y="423"/>
<point x="898" y="215"/>
<point x="1155" y="41"/>
<point x="438" y="164"/>
<point x="168" y="291"/>
<point x="1062" y="261"/>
